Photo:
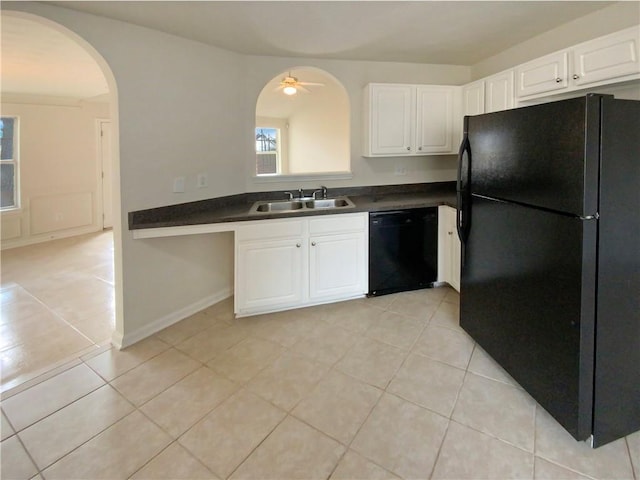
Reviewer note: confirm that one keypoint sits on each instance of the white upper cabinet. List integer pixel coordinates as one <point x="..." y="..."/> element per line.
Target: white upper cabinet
<point x="606" y="60"/>
<point x="410" y="119"/>
<point x="473" y="98"/>
<point x="542" y="75"/>
<point x="491" y="94"/>
<point x="434" y="119"/>
<point x="499" y="93"/>
<point x="392" y="108"/>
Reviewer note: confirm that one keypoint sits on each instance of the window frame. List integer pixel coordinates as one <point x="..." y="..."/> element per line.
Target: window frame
<point x="278" y="151"/>
<point x="15" y="161"/>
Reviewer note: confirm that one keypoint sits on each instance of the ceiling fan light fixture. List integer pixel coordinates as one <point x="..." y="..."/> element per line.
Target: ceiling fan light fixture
<point x="289" y="90"/>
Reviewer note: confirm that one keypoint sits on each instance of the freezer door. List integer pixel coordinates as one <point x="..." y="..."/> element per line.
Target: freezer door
<point x="544" y="155"/>
<point x="527" y="298"/>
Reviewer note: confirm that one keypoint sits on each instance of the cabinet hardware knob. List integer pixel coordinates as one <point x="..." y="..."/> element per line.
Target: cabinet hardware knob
<point x="313" y="244"/>
<point x="298" y="245"/>
<point x="576" y="76"/>
<point x="419" y="148"/>
<point x="558" y="80"/>
<point x="449" y="233"/>
<point x="408" y="148"/>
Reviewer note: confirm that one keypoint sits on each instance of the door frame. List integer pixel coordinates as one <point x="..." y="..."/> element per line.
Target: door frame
<point x="100" y="173"/>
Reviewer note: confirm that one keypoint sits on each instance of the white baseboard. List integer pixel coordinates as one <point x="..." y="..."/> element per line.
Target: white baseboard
<point x="121" y="341"/>
<point x="48" y="237"/>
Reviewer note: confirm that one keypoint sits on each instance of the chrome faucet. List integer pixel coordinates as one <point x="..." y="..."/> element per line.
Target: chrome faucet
<point x="301" y="193"/>
<point x="290" y="195"/>
<point x="322" y="190"/>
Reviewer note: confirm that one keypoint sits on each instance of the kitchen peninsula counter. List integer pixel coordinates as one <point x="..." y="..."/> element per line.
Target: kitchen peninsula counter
<point x="215" y="215"/>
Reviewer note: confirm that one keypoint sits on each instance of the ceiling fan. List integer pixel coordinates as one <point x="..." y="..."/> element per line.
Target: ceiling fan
<point x="290" y="85"/>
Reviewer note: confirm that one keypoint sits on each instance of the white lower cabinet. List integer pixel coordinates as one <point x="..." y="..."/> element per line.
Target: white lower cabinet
<point x="449" y="250"/>
<point x="290" y="263"/>
<point x="270" y="273"/>
<point x="336" y="263"/>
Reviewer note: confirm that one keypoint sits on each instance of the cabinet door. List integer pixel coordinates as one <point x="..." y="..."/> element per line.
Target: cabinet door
<point x="337" y="266"/>
<point x="269" y="274"/>
<point x="473" y="98"/>
<point x="449" y="249"/>
<point x="391" y="119"/>
<point x="607" y="58"/>
<point x="545" y="74"/>
<point x="455" y="251"/>
<point x="434" y="122"/>
<point x="499" y="92"/>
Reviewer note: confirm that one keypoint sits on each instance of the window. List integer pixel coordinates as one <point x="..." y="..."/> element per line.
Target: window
<point x="8" y="163"/>
<point x="267" y="151"/>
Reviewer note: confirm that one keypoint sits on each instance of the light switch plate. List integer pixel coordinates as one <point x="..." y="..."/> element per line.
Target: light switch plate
<point x="202" y="180"/>
<point x="178" y="185"/>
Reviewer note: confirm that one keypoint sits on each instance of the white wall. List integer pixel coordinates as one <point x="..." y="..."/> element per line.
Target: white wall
<point x="59" y="168"/>
<point x="617" y="16"/>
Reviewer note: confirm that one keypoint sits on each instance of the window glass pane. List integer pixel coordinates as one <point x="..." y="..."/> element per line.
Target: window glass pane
<point x="7" y="185"/>
<point x="266" y="139"/>
<point x="266" y="163"/>
<point x="6" y="137"/>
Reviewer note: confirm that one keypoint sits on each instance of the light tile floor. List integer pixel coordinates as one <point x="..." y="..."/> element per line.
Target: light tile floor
<point x="389" y="387"/>
<point x="380" y="388"/>
<point x="57" y="302"/>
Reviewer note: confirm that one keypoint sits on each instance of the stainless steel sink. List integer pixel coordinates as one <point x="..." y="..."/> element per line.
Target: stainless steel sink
<point x="289" y="206"/>
<point x="284" y="206"/>
<point x="329" y="203"/>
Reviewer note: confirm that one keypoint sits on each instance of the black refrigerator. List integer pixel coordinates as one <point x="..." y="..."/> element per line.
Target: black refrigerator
<point x="549" y="220"/>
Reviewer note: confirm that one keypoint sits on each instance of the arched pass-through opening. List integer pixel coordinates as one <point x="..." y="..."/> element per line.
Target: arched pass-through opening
<point x="112" y="101"/>
<point x="302" y="125"/>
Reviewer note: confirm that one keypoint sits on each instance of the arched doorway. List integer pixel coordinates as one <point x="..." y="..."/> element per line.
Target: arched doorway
<point x="64" y="201"/>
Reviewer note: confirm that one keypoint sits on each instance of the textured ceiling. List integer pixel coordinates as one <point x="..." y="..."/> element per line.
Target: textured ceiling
<point x="447" y="32"/>
<point x="37" y="59"/>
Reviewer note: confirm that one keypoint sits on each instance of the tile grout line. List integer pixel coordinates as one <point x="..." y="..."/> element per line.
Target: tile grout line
<point x="88" y="439"/>
<point x="384" y="391"/>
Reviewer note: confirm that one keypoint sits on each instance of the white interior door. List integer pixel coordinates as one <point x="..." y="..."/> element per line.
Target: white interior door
<point x="107" y="177"/>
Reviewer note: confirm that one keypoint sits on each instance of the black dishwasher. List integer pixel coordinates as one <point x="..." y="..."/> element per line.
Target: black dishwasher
<point x="403" y="250"/>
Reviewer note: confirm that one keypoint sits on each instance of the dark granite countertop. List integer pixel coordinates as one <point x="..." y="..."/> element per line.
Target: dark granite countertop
<point x="235" y="208"/>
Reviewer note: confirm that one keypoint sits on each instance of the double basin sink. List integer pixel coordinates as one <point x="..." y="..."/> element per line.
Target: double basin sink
<point x="301" y="204"/>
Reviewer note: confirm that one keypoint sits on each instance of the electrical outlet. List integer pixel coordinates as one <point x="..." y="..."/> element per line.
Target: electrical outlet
<point x="400" y="170"/>
<point x="178" y="185"/>
<point x="202" y="180"/>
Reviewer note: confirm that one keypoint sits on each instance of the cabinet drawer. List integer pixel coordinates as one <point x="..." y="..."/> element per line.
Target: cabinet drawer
<point x="270" y="229"/>
<point x="354" y="222"/>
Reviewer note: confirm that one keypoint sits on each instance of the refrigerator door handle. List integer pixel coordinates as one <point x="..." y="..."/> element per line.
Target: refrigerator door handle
<point x="463" y="188"/>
